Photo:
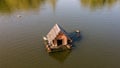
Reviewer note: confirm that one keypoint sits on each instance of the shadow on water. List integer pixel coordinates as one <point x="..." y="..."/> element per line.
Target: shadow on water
<point x="62" y="56"/>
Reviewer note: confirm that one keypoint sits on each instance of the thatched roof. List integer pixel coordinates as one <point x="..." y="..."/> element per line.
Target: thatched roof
<point x="55" y="31"/>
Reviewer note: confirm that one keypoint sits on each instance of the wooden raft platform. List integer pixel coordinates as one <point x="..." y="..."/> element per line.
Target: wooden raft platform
<point x="58" y="48"/>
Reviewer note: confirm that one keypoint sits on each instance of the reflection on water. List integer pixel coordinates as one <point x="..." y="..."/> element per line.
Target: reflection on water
<point x="97" y="4"/>
<point x="9" y="6"/>
<point x="60" y="56"/>
<point x="53" y="4"/>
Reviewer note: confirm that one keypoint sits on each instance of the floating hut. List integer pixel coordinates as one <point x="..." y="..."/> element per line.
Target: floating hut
<point x="57" y="39"/>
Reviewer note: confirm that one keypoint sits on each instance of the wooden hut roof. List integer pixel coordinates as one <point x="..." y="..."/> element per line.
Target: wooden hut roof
<point x="55" y="31"/>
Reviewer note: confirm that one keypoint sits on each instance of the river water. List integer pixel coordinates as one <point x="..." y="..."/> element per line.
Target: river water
<point x="24" y="23"/>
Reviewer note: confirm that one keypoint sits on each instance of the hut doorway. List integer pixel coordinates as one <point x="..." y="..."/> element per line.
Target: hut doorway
<point x="59" y="42"/>
<point x="61" y="39"/>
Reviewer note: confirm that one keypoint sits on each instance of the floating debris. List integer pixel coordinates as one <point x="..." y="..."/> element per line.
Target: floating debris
<point x="78" y="31"/>
<point x="44" y="38"/>
<point x="19" y="16"/>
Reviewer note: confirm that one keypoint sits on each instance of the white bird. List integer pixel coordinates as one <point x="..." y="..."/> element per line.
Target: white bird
<point x="45" y="38"/>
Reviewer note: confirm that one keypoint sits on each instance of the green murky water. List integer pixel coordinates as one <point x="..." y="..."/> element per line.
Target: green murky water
<point x="23" y="23"/>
